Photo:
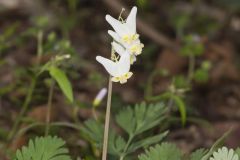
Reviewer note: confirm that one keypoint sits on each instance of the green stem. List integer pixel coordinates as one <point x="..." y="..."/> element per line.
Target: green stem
<point x="107" y="121"/>
<point x="191" y="67"/>
<point x="122" y="156"/>
<point x="40" y="47"/>
<point x="49" y="107"/>
<point x="24" y="108"/>
<point x="32" y="87"/>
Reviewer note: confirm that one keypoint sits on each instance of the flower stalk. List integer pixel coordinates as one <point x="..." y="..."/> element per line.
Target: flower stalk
<point x="107" y="120"/>
<point x="126" y="46"/>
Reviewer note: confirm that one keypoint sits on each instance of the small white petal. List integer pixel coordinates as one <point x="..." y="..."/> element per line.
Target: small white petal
<point x="124" y="63"/>
<point x="117" y="25"/>
<point x="109" y="65"/>
<point x="114" y="35"/>
<point x="118" y="48"/>
<point x="101" y="94"/>
<point x="131" y="20"/>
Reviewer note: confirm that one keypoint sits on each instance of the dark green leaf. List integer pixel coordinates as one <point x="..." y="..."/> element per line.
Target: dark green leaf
<point x="143" y="117"/>
<point x="165" y="151"/>
<point x="44" y="148"/>
<point x="182" y="108"/>
<point x="62" y="81"/>
<point x="198" y="154"/>
<point x="147" y="142"/>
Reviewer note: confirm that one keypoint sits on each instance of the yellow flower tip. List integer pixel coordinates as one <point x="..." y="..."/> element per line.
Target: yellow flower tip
<point x="137" y="49"/>
<point x="115" y="79"/>
<point x="96" y="102"/>
<point x="130" y="38"/>
<point x="98" y="99"/>
<point x="122" y="79"/>
<point x="135" y="37"/>
<point x="132" y="59"/>
<point x="128" y="75"/>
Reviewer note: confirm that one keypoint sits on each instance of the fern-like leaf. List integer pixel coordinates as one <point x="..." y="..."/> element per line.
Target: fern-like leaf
<point x="165" y="151"/>
<point x="140" y="118"/>
<point x="44" y="148"/>
<point x="93" y="132"/>
<point x="198" y="154"/>
<point x="147" y="142"/>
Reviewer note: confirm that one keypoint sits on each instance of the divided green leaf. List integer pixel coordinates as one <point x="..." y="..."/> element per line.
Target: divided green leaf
<point x="116" y="144"/>
<point x="44" y="148"/>
<point x="147" y="142"/>
<point x="198" y="154"/>
<point x="142" y="118"/>
<point x="165" y="151"/>
<point x="93" y="131"/>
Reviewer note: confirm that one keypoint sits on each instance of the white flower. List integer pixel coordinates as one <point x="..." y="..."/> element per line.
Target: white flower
<point x="125" y="32"/>
<point x="224" y="154"/>
<point x="119" y="70"/>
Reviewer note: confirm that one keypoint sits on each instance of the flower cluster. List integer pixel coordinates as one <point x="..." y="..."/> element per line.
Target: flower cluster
<point x="126" y="44"/>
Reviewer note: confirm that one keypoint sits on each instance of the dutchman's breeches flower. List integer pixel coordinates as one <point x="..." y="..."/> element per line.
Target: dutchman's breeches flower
<point x="126" y="44"/>
<point x="125" y="32"/>
<point x="119" y="70"/>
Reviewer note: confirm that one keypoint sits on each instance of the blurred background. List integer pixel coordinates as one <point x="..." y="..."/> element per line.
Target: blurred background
<point x="193" y="41"/>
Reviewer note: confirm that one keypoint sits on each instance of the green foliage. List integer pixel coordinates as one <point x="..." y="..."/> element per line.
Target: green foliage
<point x="147" y="141"/>
<point x="191" y="46"/>
<point x="180" y="82"/>
<point x="44" y="148"/>
<point x="41" y="22"/>
<point x="134" y="121"/>
<point x="181" y="107"/>
<point x="180" y="21"/>
<point x="202" y="74"/>
<point x="62" y="81"/>
<point x="116" y="144"/>
<point x="6" y="35"/>
<point x="165" y="151"/>
<point x="93" y="131"/>
<point x="142" y="117"/>
<point x="198" y="154"/>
